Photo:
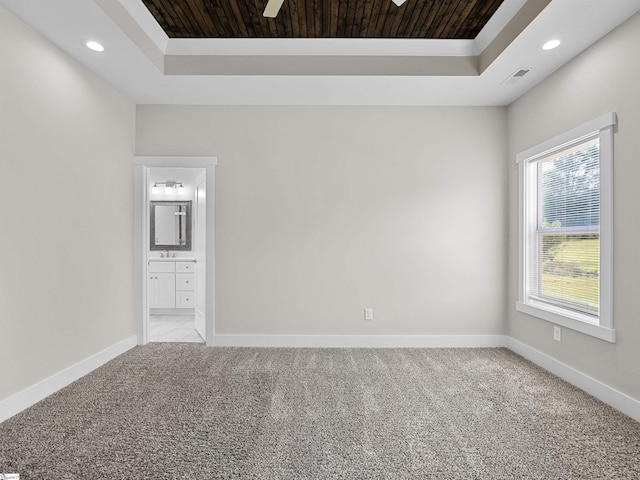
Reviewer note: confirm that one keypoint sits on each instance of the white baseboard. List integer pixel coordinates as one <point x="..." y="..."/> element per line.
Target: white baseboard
<point x="618" y="400"/>
<point x="361" y="341"/>
<point x="33" y="394"/>
<point x="608" y="395"/>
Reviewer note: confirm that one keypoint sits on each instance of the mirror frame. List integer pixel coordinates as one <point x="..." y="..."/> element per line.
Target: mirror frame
<point x="152" y="225"/>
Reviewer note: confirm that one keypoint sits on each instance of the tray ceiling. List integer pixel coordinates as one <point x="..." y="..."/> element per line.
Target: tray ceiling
<point x="150" y="67"/>
<point x="415" y="19"/>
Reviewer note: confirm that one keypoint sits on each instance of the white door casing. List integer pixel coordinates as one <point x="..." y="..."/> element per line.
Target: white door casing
<point x="141" y="166"/>
<point x="200" y="253"/>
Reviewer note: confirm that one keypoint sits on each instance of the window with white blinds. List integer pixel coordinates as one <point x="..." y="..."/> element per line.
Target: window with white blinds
<point x="565" y="210"/>
<point x="564" y="229"/>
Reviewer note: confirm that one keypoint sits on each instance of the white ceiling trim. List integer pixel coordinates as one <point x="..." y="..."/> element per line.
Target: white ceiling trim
<point x="496" y="24"/>
<point x="322" y="46"/>
<point x="142" y="16"/>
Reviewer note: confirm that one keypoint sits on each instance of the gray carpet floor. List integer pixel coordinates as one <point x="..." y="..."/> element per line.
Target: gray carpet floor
<point x="187" y="411"/>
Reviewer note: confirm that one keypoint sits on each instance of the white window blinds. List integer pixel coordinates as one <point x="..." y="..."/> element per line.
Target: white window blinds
<point x="563" y="227"/>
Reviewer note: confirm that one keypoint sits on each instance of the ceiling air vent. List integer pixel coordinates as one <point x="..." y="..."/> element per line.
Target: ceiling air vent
<point x="515" y="76"/>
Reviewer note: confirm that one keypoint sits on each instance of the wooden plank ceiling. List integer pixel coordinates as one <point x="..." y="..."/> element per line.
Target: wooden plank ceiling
<point x="426" y="19"/>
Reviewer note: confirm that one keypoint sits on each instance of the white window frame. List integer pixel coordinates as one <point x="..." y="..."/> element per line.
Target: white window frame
<point x="601" y="326"/>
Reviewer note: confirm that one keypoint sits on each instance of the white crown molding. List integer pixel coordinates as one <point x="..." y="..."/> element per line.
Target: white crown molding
<point x="322" y="46"/>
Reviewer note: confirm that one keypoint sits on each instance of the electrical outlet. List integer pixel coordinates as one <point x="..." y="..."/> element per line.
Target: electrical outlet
<point x="557" y="334"/>
<point x="368" y="313"/>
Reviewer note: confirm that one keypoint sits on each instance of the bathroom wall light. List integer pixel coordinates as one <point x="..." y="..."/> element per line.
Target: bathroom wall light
<point x="169" y="187"/>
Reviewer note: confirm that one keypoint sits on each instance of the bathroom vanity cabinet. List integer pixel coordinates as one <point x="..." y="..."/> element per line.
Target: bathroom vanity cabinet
<point x="171" y="284"/>
<point x="185" y="285"/>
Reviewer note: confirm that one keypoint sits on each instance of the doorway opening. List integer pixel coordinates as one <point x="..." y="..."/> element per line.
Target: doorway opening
<point x="176" y="254"/>
<point x="174" y="251"/>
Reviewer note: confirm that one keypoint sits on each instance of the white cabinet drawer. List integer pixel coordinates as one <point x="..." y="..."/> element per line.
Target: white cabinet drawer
<point x="159" y="267"/>
<point x="185" y="267"/>
<point x="185" y="281"/>
<point x="185" y="300"/>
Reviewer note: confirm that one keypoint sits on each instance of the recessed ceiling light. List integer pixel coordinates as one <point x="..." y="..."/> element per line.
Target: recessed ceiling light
<point x="551" y="44"/>
<point x="95" y="46"/>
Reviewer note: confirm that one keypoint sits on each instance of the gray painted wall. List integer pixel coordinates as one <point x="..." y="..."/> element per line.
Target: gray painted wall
<point x="604" y="78"/>
<point x="323" y="211"/>
<point x="66" y="144"/>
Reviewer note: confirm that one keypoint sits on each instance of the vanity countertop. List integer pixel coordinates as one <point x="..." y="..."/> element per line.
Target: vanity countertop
<point x="172" y="259"/>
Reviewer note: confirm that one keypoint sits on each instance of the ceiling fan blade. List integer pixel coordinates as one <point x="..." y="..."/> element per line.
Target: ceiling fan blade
<point x="272" y="8"/>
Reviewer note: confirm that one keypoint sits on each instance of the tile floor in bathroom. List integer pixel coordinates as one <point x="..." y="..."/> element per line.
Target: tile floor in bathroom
<point x="173" y="328"/>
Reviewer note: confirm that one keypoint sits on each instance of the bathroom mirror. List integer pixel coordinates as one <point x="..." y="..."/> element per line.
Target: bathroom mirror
<point x="170" y="224"/>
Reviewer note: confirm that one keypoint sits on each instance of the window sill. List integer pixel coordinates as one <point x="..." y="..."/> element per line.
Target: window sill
<point x="598" y="331"/>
